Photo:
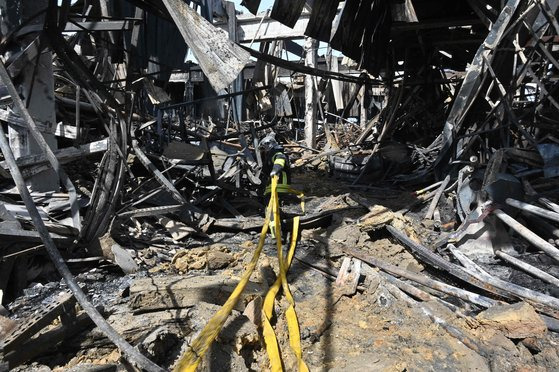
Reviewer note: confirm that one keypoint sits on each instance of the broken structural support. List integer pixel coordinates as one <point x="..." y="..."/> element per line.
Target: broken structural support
<point x="521" y="292"/>
<point x="440" y="263"/>
<point x="474" y="77"/>
<point x="41" y="141"/>
<point x="423" y="279"/>
<point x="35" y="85"/>
<point x="311" y="46"/>
<point x="221" y="59"/>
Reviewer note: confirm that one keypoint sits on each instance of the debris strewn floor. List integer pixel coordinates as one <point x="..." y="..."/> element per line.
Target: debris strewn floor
<point x="142" y="141"/>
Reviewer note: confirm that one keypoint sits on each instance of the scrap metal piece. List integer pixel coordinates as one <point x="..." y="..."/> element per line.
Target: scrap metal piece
<point x="251" y="5"/>
<point x="474" y="76"/>
<point x="287" y="11"/>
<point x="152" y="211"/>
<point x="40" y="319"/>
<point x="124" y="259"/>
<point x="221" y="59"/>
<point x="320" y="22"/>
<point x="36" y="134"/>
<point x="157" y="173"/>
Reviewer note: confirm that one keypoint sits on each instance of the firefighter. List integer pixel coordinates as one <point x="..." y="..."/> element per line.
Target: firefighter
<point x="275" y="163"/>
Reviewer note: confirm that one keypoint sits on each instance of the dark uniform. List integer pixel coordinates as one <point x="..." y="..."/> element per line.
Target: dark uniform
<point x="276" y="163"/>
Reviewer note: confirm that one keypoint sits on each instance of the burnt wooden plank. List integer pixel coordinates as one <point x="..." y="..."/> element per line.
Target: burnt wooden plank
<point x="47" y="341"/>
<point x="287" y="11"/>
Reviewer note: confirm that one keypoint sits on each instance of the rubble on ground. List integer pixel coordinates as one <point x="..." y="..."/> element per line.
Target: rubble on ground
<point x="131" y="184"/>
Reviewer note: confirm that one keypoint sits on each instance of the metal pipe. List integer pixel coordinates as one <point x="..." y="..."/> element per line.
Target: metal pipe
<point x="532" y="270"/>
<point x="418" y="293"/>
<point x="527" y="234"/>
<point x="78" y="107"/>
<point x="428" y="188"/>
<point x="440" y="263"/>
<point x="533" y="209"/>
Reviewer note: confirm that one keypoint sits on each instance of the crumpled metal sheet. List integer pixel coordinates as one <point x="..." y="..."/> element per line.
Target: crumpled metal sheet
<point x="221" y="59"/>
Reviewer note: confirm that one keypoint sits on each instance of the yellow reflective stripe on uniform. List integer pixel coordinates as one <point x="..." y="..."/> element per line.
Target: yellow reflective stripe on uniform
<point x="279" y="161"/>
<point x="282" y="187"/>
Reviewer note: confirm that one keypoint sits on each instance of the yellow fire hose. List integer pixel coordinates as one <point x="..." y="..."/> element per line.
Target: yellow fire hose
<point x="193" y="356"/>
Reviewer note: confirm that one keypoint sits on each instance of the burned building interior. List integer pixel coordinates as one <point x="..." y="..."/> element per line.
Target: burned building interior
<point x="279" y="185"/>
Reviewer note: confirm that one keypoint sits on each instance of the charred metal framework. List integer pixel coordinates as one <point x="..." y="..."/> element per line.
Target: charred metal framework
<point x="104" y="123"/>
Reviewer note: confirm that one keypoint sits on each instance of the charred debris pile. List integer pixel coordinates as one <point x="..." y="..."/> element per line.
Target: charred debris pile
<point x="434" y="127"/>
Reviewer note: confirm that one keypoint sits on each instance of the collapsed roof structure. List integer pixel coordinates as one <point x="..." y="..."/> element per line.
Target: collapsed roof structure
<point x="130" y="131"/>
